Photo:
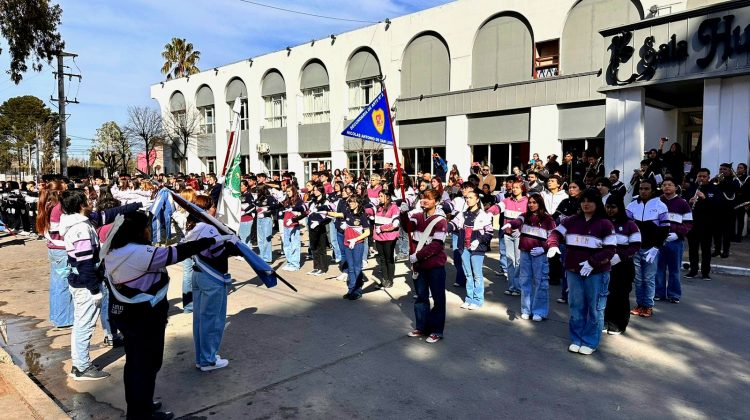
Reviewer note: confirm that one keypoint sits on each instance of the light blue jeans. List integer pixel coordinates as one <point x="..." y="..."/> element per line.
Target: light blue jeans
<point x="291" y="241"/>
<point x="187" y="284"/>
<point x="265" y="232"/>
<point x="645" y="279"/>
<point x="501" y="245"/>
<point x="331" y="229"/>
<point x="534" y="281"/>
<point x="104" y="311"/>
<point x="402" y="243"/>
<point x="209" y="315"/>
<point x="85" y="315"/>
<point x="244" y="232"/>
<point x="669" y="259"/>
<point x="587" y="298"/>
<point x="60" y="299"/>
<point x="472" y="265"/>
<point x="513" y="257"/>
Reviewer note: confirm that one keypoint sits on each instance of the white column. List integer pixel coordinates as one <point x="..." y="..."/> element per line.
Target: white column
<point x="544" y="132"/>
<point x="457" y="150"/>
<point x="624" y="134"/>
<point x="726" y="121"/>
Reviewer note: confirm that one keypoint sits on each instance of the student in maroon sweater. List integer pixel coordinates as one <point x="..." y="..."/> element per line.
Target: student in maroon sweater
<point x="590" y="241"/>
<point x="428" y="262"/>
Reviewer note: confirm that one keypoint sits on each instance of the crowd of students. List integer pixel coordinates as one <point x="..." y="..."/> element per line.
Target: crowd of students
<point x="563" y="223"/>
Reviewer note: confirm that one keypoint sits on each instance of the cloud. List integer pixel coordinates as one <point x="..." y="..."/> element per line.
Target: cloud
<point x="119" y="44"/>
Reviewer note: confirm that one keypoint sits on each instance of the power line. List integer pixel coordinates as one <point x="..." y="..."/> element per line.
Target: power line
<point x="306" y="13"/>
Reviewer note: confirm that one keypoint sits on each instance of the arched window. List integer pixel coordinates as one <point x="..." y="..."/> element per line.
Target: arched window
<point x="315" y="88"/>
<point x="273" y="92"/>
<point x="503" y="52"/>
<point x="177" y="102"/>
<point x="237" y="89"/>
<point x="363" y="78"/>
<point x="204" y="102"/>
<point x="426" y="66"/>
<point x="582" y="48"/>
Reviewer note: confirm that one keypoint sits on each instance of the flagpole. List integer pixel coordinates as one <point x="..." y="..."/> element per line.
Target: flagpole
<point x="398" y="165"/>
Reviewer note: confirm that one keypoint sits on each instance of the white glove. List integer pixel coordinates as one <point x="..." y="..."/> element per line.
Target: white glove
<point x="651" y="255"/>
<point x="261" y="214"/>
<point x="671" y="237"/>
<point x="615" y="260"/>
<point x="537" y="251"/>
<point x="227" y="238"/>
<point x="505" y="226"/>
<point x="586" y="268"/>
<point x="413" y="258"/>
<point x="296" y="213"/>
<point x="313" y="225"/>
<point x="404" y="207"/>
<point x="415" y="211"/>
<point x="96" y="298"/>
<point x="474" y="245"/>
<point x="352" y="243"/>
<point x="288" y="223"/>
<point x="516" y="234"/>
<point x="553" y="251"/>
<point x="378" y="230"/>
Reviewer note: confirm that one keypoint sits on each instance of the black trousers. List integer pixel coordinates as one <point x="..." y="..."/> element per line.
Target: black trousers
<point x="143" y="327"/>
<point x="386" y="260"/>
<point x="319" y="247"/>
<point x="555" y="269"/>
<point x="617" y="311"/>
<point x="700" y="239"/>
<point x="724" y="230"/>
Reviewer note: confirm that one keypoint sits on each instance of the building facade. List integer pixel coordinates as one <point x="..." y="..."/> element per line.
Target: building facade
<point x="478" y="81"/>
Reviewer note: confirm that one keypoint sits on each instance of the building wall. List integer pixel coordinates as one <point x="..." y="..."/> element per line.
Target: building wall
<point x="455" y="24"/>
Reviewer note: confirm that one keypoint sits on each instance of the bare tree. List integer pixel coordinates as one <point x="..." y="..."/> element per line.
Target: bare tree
<point x="144" y="130"/>
<point x="179" y="128"/>
<point x="112" y="148"/>
<point x="366" y="150"/>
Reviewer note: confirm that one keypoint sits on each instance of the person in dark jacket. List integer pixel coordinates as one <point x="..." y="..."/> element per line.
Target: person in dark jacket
<point x="617" y="311"/>
<point x="705" y="200"/>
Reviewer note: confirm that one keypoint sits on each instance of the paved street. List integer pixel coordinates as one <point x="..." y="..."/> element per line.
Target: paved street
<point x="314" y="355"/>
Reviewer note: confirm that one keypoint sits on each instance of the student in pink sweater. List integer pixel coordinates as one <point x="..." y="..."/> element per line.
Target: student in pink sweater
<point x="386" y="234"/>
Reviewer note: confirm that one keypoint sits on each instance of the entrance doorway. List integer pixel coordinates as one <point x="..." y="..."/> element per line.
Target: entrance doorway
<point x="315" y="165"/>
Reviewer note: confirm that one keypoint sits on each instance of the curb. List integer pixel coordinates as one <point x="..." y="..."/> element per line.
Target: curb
<point x="724" y="269"/>
<point x="39" y="404"/>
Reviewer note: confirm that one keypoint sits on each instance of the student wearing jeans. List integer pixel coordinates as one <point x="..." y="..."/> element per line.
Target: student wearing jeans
<point x="82" y="246"/>
<point x="294" y="211"/>
<point x="511" y="208"/>
<point x="356" y="230"/>
<point x="266" y="205"/>
<point x="534" y="225"/>
<point x="473" y="228"/>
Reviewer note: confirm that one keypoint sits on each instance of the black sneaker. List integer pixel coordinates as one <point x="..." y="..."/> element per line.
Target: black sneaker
<point x="92" y="373"/>
<point x="613" y="330"/>
<point x="691" y="275"/>
<point x="674" y="300"/>
<point x="706" y="277"/>
<point x="658" y="298"/>
<point x="162" y="415"/>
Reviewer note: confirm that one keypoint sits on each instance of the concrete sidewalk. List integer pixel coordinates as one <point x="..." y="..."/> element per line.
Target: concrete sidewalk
<point x="315" y="355"/>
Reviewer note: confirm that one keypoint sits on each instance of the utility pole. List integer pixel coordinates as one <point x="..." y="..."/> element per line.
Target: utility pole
<point x="62" y="100"/>
<point x="38" y="168"/>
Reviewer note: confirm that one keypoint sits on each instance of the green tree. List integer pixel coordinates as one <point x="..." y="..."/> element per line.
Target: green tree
<point x="112" y="148"/>
<point x="180" y="59"/>
<point x="30" y="29"/>
<point x="21" y="122"/>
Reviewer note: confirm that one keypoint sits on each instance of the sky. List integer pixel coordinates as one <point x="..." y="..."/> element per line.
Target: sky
<point x="119" y="45"/>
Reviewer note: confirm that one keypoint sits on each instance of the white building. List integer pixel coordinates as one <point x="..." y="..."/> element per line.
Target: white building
<point x="483" y="80"/>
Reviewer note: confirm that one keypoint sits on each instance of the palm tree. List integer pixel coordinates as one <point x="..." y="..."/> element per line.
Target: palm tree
<point x="179" y="59"/>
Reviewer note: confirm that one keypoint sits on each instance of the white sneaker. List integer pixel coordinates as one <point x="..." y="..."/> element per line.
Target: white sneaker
<point x="465" y="305"/>
<point x="574" y="348"/>
<point x="218" y="364"/>
<point x="474" y="307"/>
<point x="586" y="350"/>
<point x="525" y="316"/>
<point x="536" y="318"/>
<point x="311" y="272"/>
<point x="342" y="277"/>
<point x="24" y="233"/>
<point x="239" y="258"/>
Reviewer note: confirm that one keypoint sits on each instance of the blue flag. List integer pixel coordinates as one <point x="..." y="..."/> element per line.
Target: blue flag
<point x="373" y="123"/>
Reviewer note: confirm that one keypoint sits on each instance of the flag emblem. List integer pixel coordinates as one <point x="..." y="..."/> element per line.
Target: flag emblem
<point x="378" y="118"/>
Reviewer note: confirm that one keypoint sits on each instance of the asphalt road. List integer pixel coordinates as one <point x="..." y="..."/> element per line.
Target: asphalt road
<point x="314" y="355"/>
